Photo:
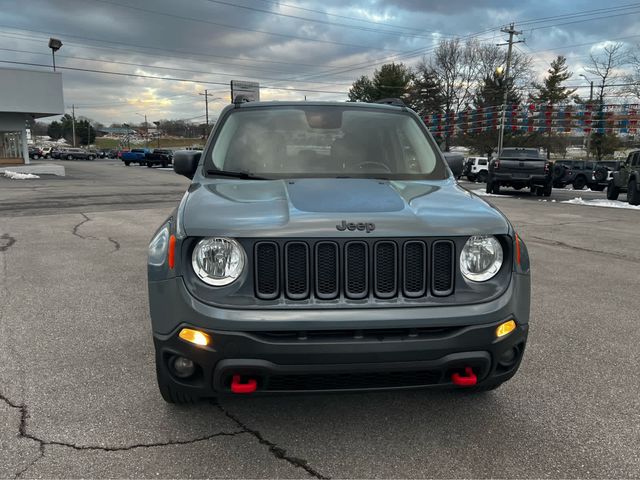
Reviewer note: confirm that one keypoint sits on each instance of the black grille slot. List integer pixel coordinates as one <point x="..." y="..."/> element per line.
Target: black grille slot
<point x="356" y="270"/>
<point x="327" y="273"/>
<point x="385" y="269"/>
<point x="442" y="268"/>
<point x="346" y="381"/>
<point x="296" y="259"/>
<point x="415" y="269"/>
<point x="267" y="266"/>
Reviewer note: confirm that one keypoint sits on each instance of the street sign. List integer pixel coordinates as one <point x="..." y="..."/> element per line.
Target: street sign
<point x="250" y="90"/>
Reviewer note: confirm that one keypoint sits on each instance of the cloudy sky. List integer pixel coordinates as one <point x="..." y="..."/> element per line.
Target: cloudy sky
<point x="296" y="48"/>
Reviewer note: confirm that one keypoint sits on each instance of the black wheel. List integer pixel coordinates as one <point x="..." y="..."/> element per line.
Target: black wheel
<point x="633" y="195"/>
<point x="597" y="188"/>
<point x="164" y="164"/>
<point x="546" y="191"/>
<point x="539" y="191"/>
<point x="579" y="183"/>
<point x="482" y="176"/>
<point x="149" y="164"/>
<point x="496" y="188"/>
<point x="69" y="157"/>
<point x="612" y="191"/>
<point x="601" y="174"/>
<point x="126" y="164"/>
<point x="471" y="178"/>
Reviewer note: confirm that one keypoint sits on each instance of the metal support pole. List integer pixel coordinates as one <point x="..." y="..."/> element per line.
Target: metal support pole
<point x="511" y="31"/>
<point x="73" y="125"/>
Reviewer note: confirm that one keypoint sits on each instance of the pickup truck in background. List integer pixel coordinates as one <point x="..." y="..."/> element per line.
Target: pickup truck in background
<point x="519" y="168"/>
<point x="136" y="155"/>
<point x="159" y="157"/>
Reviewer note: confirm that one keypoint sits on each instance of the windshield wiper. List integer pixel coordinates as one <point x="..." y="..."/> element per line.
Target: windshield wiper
<point x="243" y="175"/>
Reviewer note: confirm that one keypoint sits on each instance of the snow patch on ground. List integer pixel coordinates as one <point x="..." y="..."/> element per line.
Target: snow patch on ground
<point x="19" y="176"/>
<point x="602" y="203"/>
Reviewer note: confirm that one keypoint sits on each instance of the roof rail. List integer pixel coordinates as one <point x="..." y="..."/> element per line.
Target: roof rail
<point x="391" y="101"/>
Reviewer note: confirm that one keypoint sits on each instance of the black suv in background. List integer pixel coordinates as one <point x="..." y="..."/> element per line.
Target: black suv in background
<point x="519" y="168"/>
<point x="159" y="156"/>
<point x="627" y="179"/>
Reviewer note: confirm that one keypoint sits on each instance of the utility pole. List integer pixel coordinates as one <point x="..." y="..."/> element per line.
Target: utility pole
<point x="206" y="106"/>
<point x="146" y="132"/>
<point x="511" y="31"/>
<point x="73" y="125"/>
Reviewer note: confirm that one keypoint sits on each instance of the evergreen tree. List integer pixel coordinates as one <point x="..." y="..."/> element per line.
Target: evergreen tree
<point x="55" y="130"/>
<point x="552" y="92"/>
<point x="392" y="80"/>
<point x="426" y="95"/>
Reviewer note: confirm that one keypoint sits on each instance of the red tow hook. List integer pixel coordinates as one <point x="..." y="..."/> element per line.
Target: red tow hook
<point x="237" y="386"/>
<point x="469" y="379"/>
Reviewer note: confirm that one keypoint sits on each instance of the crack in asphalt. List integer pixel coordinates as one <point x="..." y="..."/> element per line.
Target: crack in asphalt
<point x="6" y="241"/>
<point x="22" y="433"/>
<point x="278" y="452"/>
<point x="557" y="243"/>
<point x="115" y="243"/>
<point x="76" y="227"/>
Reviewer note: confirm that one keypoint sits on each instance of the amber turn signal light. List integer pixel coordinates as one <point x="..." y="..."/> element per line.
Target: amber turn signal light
<point x="505" y="328"/>
<point x="195" y="336"/>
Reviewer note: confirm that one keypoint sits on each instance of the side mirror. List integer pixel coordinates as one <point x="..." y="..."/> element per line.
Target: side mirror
<point x="456" y="163"/>
<point x="185" y="162"/>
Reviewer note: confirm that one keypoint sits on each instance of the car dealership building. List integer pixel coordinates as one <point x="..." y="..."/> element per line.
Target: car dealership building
<point x="25" y="95"/>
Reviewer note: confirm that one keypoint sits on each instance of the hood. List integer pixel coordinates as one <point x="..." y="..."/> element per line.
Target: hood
<point x="318" y="207"/>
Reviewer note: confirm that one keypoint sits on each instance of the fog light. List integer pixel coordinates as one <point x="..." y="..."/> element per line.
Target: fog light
<point x="505" y="328"/>
<point x="183" y="367"/>
<point x="509" y="358"/>
<point x="195" y="336"/>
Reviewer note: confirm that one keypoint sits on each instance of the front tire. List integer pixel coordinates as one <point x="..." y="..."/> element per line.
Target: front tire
<point x="149" y="164"/>
<point x="482" y="177"/>
<point x="579" y="183"/>
<point x="126" y="164"/>
<point x="633" y="195"/>
<point x="612" y="191"/>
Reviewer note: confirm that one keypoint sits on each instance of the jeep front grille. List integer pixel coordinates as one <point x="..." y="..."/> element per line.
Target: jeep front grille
<point x="354" y="269"/>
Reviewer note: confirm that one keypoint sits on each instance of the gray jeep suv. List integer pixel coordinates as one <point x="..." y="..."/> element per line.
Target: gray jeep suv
<point x="328" y="247"/>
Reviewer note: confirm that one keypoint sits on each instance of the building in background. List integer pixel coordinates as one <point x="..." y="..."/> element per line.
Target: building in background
<point x="25" y="95"/>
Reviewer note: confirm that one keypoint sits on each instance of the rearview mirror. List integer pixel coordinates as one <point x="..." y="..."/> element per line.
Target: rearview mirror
<point x="185" y="162"/>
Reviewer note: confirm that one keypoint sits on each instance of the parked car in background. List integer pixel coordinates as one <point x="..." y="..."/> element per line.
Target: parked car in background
<point x="120" y="151"/>
<point x="519" y="168"/>
<point x="135" y="155"/>
<point x="159" y="156"/>
<point x="77" y="154"/>
<point x="46" y="152"/>
<point x="626" y="179"/>
<point x="35" y="153"/>
<point x="603" y="172"/>
<point x="477" y="169"/>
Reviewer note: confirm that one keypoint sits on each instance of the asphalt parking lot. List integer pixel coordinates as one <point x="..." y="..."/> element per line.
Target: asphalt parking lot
<point x="78" y="396"/>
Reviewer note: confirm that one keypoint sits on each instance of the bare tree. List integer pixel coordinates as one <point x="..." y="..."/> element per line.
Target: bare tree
<point x="633" y="78"/>
<point x="605" y="66"/>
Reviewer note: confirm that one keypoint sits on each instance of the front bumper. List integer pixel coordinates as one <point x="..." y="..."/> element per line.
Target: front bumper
<point x="337" y="349"/>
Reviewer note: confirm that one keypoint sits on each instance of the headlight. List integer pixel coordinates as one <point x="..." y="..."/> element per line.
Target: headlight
<point x="218" y="261"/>
<point x="158" y="247"/>
<point x="481" y="258"/>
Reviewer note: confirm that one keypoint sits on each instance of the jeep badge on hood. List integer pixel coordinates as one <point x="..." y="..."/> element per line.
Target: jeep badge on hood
<point x="367" y="227"/>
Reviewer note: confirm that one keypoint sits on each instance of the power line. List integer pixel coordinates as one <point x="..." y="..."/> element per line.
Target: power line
<point x="173" y="79"/>
<point x="115" y="62"/>
<point x="323" y="22"/>
<point x="233" y="27"/>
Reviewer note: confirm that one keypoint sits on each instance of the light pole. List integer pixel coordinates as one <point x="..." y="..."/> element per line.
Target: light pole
<point x="157" y="124"/>
<point x="590" y="102"/>
<point x="54" y="45"/>
<point x="146" y="130"/>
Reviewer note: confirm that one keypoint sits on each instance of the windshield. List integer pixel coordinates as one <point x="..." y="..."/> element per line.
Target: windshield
<point x="325" y="141"/>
